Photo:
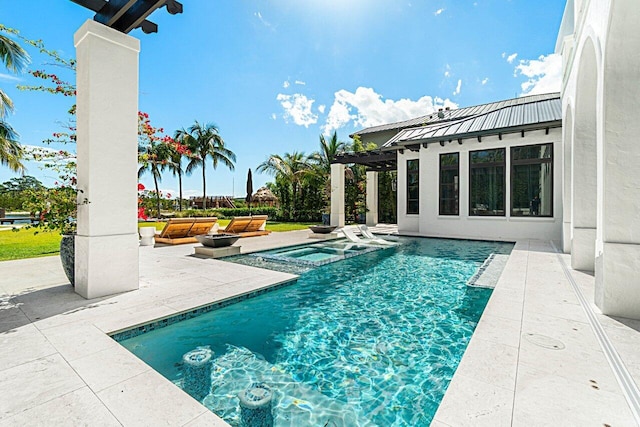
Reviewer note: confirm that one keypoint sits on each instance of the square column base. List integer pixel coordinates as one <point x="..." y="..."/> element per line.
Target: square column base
<point x="583" y="249"/>
<point x="217" y="252"/>
<point x="617" y="283"/>
<point x="106" y="265"/>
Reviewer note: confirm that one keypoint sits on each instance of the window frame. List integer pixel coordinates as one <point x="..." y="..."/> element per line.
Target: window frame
<point x="525" y="162"/>
<point x="415" y="172"/>
<point x="440" y="184"/>
<point x="485" y="165"/>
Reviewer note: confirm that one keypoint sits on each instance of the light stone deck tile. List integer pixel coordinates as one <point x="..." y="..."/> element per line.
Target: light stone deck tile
<point x="116" y="365"/>
<point x="134" y="316"/>
<point x="490" y="362"/>
<point x="150" y="400"/>
<point x="12" y="318"/>
<point x="499" y="330"/>
<point x="34" y="383"/>
<point x="504" y="306"/>
<point x="78" y="340"/>
<point x="208" y="419"/>
<point x="23" y="345"/>
<point x="551" y="400"/>
<point x="474" y="403"/>
<point x="78" y="408"/>
<point x="563" y="309"/>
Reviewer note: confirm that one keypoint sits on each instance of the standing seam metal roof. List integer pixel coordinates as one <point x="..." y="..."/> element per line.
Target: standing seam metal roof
<point x="531" y="111"/>
<point x="460" y="113"/>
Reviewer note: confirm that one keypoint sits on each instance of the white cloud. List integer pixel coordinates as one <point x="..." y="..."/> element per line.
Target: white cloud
<point x="447" y="74"/>
<point x="504" y="54"/>
<point x="367" y="108"/>
<point x="286" y="84"/>
<point x="297" y="107"/>
<point x="511" y="57"/>
<point x="264" y="22"/>
<point x="458" y="87"/>
<point x="439" y="11"/>
<point x="300" y="82"/>
<point x="544" y="74"/>
<point x="485" y="81"/>
<point x="322" y="108"/>
<point x="273" y="116"/>
<point x="9" y="78"/>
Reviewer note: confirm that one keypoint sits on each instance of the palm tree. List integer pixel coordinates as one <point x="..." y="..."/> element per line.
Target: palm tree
<point x="154" y="156"/>
<point x="328" y="150"/>
<point x="15" y="59"/>
<point x="10" y="149"/>
<point x="175" y="164"/>
<point x="321" y="163"/>
<point x="204" y="140"/>
<point x="288" y="170"/>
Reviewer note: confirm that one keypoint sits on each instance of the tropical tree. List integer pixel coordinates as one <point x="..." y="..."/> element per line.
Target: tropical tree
<point x="290" y="172"/>
<point x="320" y="162"/>
<point x="204" y="141"/>
<point x="15" y="59"/>
<point x="178" y="150"/>
<point x="356" y="177"/>
<point x="328" y="150"/>
<point x="154" y="153"/>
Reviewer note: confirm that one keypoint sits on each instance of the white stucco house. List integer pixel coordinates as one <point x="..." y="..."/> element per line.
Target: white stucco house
<point x="560" y="166"/>
<point x="490" y="171"/>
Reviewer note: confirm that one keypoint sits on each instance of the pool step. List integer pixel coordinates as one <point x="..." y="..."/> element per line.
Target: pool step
<point x="489" y="272"/>
<point x="295" y="404"/>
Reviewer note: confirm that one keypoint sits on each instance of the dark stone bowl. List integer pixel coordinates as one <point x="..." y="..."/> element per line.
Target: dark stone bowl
<point x="322" y="229"/>
<point x="217" y="240"/>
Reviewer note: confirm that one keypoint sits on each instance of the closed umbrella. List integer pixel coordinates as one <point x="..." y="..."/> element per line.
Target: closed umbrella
<point x="249" y="190"/>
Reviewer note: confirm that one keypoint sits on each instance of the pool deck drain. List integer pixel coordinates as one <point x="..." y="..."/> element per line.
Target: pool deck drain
<point x="59" y="367"/>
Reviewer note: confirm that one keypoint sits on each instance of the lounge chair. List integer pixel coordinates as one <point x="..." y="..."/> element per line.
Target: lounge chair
<point x="183" y="230"/>
<point x="247" y="226"/>
<point x="349" y="233"/>
<point x="366" y="232"/>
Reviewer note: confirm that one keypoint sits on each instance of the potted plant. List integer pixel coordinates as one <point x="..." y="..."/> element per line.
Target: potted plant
<point x="57" y="209"/>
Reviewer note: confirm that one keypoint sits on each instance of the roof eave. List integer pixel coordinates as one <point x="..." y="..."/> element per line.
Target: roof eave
<point x="469" y="135"/>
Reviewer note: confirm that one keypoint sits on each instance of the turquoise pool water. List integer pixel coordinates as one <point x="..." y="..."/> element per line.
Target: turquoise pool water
<point x="370" y="340"/>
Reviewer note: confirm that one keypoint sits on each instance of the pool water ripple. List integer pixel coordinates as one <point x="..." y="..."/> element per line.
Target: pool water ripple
<point x="372" y="340"/>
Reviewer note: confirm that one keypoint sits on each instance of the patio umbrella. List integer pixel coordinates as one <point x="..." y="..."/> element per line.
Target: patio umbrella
<point x="249" y="190"/>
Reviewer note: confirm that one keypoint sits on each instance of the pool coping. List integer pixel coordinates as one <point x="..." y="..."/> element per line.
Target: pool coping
<point x="59" y="363"/>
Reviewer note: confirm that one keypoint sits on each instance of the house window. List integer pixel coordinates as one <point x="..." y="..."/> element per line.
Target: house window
<point x="413" y="186"/>
<point x="449" y="189"/>
<point x="532" y="180"/>
<point x="487" y="182"/>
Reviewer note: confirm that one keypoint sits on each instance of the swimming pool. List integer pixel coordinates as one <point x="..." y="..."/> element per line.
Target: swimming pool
<point x="370" y="340"/>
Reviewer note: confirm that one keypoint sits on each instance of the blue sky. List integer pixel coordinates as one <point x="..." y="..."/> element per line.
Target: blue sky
<point x="275" y="74"/>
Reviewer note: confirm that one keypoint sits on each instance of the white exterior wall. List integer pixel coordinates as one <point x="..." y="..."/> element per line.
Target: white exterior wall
<point x="604" y="46"/>
<point x="429" y="223"/>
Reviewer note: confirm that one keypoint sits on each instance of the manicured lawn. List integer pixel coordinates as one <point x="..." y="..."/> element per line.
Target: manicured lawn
<point x="24" y="244"/>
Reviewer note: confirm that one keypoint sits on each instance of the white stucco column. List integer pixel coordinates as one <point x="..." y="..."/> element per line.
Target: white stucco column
<point x="372" y="198"/>
<point x="337" y="195"/>
<point x="106" y="246"/>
